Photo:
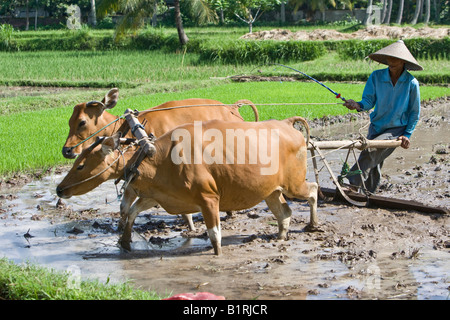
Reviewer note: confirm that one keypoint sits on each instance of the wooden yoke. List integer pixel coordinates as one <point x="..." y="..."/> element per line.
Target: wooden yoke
<point x="146" y="148"/>
<point x="137" y="129"/>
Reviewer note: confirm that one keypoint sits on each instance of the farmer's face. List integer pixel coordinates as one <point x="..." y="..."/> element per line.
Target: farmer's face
<point x="395" y="63"/>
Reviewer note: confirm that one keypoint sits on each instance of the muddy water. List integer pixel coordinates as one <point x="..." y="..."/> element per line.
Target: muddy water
<point x="361" y="253"/>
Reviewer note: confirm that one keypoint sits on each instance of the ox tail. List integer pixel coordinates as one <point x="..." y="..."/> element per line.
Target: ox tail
<point x="240" y="103"/>
<point x="294" y="120"/>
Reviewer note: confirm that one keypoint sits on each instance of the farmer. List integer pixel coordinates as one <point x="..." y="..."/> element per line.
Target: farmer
<point x="394" y="93"/>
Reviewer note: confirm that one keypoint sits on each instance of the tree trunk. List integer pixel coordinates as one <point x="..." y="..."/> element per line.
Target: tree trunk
<point x="93" y="14"/>
<point x="387" y="20"/>
<point x="155" y="14"/>
<point x="383" y="11"/>
<point x="36" y="16"/>
<point x="222" y="18"/>
<point x="283" y="12"/>
<point x="416" y="12"/>
<point x="400" y="12"/>
<point x="427" y="11"/>
<point x="420" y="10"/>
<point x="179" y="23"/>
<point x="436" y="11"/>
<point x="250" y="21"/>
<point x="27" y="25"/>
<point x="367" y="17"/>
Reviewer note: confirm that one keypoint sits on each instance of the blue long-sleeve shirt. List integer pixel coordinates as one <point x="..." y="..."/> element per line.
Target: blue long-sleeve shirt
<point x="395" y="106"/>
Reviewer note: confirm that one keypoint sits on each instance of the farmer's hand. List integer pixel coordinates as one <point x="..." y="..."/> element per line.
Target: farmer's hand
<point x="405" y="142"/>
<point x="352" y="105"/>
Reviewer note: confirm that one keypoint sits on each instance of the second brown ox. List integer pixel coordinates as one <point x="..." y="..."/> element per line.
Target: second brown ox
<point x="188" y="186"/>
<point x="91" y="117"/>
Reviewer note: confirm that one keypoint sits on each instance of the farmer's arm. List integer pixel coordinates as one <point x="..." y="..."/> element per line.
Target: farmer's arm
<point x="414" y="113"/>
<point x="369" y="97"/>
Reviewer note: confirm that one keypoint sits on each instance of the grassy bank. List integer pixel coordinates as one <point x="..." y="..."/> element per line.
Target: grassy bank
<point x="32" y="282"/>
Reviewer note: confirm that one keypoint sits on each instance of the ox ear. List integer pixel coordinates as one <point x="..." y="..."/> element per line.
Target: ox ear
<point x="110" y="100"/>
<point x="111" y="143"/>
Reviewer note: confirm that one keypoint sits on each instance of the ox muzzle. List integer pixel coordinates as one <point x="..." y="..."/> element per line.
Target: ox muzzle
<point x="68" y="153"/>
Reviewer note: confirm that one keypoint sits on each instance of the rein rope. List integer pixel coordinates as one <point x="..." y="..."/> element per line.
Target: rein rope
<point x="202" y="105"/>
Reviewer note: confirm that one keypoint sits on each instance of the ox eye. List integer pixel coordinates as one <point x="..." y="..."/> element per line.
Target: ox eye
<point x="80" y="167"/>
<point x="82" y="123"/>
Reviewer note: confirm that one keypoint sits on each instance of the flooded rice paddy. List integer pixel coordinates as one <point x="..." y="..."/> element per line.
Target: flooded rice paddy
<point x="360" y="253"/>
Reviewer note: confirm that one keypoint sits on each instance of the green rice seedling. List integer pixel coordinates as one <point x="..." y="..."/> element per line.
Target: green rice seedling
<point x="32" y="282"/>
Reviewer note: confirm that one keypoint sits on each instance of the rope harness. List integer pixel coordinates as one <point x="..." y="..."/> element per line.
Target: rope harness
<point x="91" y="147"/>
<point x="199" y="105"/>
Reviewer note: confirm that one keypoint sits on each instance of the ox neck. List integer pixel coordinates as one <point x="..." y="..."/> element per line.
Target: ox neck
<point x="108" y="118"/>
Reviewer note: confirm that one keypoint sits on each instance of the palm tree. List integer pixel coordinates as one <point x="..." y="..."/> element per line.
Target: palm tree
<point x="136" y="11"/>
<point x="179" y="23"/>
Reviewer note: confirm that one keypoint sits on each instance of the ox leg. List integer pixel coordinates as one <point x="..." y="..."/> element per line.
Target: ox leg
<point x="308" y="191"/>
<point x="211" y="216"/>
<point x="277" y="204"/>
<point x="127" y="200"/>
<point x="140" y="205"/>
<point x="312" y="201"/>
<point x="188" y="219"/>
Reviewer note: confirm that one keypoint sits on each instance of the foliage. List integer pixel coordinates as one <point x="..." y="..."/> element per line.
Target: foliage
<point x="6" y="36"/>
<point x="421" y="48"/>
<point x="250" y="10"/>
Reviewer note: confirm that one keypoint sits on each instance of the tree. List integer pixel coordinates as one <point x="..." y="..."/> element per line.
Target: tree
<point x="312" y="6"/>
<point x="92" y="13"/>
<point x="427" y="11"/>
<point x="383" y="11"/>
<point x="179" y="23"/>
<point x="387" y="18"/>
<point x="417" y="11"/>
<point x="136" y="11"/>
<point x="400" y="12"/>
<point x="367" y="20"/>
<point x="221" y="6"/>
<point x="250" y="10"/>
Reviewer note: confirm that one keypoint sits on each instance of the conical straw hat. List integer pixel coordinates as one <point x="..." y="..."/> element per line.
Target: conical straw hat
<point x="397" y="50"/>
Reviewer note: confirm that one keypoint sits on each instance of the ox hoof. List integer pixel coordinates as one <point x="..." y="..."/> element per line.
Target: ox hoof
<point x="283" y="237"/>
<point x="126" y="245"/>
<point x="217" y="250"/>
<point x="313" y="228"/>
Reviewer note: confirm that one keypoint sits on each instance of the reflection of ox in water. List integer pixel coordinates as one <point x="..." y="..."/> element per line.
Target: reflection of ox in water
<point x="90" y="119"/>
<point x="188" y="187"/>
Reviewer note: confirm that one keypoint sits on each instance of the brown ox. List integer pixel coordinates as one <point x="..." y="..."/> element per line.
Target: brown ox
<point x="228" y="177"/>
<point x="90" y="117"/>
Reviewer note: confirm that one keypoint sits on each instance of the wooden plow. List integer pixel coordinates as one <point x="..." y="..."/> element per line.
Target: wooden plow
<point x="359" y="199"/>
<point x="354" y="198"/>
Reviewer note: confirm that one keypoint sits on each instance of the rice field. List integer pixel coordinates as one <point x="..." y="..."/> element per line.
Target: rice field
<point x="33" y="139"/>
<point x="39" y="89"/>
